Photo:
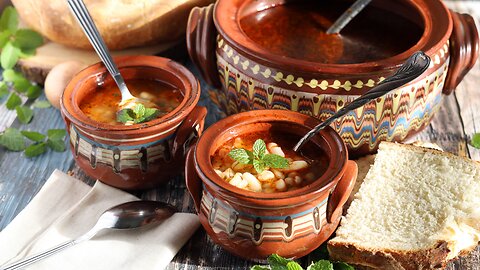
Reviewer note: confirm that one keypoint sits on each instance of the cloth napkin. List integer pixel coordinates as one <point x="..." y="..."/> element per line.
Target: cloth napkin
<point x="65" y="208"/>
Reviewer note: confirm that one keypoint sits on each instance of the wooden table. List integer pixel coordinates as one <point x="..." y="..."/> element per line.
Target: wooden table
<point x="21" y="178"/>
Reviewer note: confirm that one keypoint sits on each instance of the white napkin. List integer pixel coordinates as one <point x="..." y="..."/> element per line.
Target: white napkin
<point x="65" y="208"/>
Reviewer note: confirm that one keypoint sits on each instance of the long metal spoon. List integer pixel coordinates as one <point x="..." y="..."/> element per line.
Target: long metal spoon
<point x="411" y="69"/>
<point x="347" y="16"/>
<point x="124" y="216"/>
<point x="80" y="11"/>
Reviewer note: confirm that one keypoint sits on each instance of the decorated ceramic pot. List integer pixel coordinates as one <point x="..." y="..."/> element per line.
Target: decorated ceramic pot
<point x="137" y="156"/>
<point x="237" y="45"/>
<point x="254" y="225"/>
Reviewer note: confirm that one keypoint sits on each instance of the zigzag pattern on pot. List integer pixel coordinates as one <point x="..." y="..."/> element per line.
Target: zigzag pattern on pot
<point x="392" y="116"/>
<point x="222" y="218"/>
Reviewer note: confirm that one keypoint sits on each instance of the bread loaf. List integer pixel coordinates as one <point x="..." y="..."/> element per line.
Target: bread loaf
<point x="122" y="23"/>
<point x="417" y="208"/>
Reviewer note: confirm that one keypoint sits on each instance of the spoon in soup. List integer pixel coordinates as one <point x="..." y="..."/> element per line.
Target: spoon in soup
<point x="411" y="69"/>
<point x="130" y="215"/>
<point x="347" y="16"/>
<point x="80" y="11"/>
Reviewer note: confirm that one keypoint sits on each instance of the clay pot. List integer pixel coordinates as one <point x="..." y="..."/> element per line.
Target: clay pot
<point x="254" y="225"/>
<point x="252" y="77"/>
<point x="139" y="156"/>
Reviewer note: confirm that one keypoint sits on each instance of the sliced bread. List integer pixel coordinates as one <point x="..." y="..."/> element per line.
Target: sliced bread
<point x="417" y="208"/>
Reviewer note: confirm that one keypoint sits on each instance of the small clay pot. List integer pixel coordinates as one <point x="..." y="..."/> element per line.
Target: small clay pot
<point x="254" y="225"/>
<point x="139" y="156"/>
<point x="249" y="76"/>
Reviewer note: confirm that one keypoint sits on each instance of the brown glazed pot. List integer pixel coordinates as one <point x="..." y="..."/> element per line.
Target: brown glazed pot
<point x="251" y="77"/>
<point x="254" y="225"/>
<point x="139" y="156"/>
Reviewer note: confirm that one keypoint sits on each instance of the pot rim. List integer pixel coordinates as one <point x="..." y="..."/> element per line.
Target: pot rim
<point x="230" y="30"/>
<point x="191" y="94"/>
<point x="332" y="175"/>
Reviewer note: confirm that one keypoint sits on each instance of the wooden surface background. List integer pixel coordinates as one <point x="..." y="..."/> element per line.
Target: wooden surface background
<point x="21" y="178"/>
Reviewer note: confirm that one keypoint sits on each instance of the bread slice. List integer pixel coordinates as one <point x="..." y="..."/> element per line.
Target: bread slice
<point x="417" y="208"/>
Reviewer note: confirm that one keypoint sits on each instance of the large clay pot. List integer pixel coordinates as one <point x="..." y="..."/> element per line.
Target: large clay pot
<point x="139" y="156"/>
<point x="254" y="225"/>
<point x="252" y="77"/>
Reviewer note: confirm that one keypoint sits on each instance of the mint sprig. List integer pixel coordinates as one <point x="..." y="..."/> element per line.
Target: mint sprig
<point x="138" y="114"/>
<point x="258" y="158"/>
<point x="476" y="140"/>
<point x="277" y="262"/>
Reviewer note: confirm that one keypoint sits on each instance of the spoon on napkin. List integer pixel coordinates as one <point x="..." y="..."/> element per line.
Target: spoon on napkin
<point x="80" y="11"/>
<point x="411" y="69"/>
<point x="130" y="215"/>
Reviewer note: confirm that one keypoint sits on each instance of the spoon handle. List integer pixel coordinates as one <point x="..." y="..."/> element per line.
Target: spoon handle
<point x="347" y="16"/>
<point x="40" y="256"/>
<point x="80" y="11"/>
<point x="411" y="69"/>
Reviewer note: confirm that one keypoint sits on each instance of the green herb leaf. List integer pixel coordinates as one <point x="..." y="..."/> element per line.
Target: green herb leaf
<point x="4" y="37"/>
<point x="275" y="161"/>
<point x="34" y="91"/>
<point x="139" y="110"/>
<point x="56" y="134"/>
<point x="294" y="266"/>
<point x="125" y="115"/>
<point x="3" y="89"/>
<point x="259" y="165"/>
<point x="36" y="149"/>
<point x="476" y="140"/>
<point x="24" y="114"/>
<point x="9" y="56"/>
<point x="321" y="265"/>
<point x="342" y="266"/>
<point x="13" y="101"/>
<point x="277" y="262"/>
<point x="56" y="145"/>
<point x="259" y="148"/>
<point x="9" y="19"/>
<point x="22" y="85"/>
<point x="150" y="114"/>
<point x="34" y="136"/>
<point x="27" y="39"/>
<point x="41" y="104"/>
<point x="10" y="75"/>
<point x="25" y="53"/>
<point x="12" y="139"/>
<point x="259" y="267"/>
<point x="241" y="155"/>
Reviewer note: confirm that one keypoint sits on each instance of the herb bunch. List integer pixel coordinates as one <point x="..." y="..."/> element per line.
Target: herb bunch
<point x="258" y="158"/>
<point x="137" y="114"/>
<point x="277" y="262"/>
<point x="15" y="44"/>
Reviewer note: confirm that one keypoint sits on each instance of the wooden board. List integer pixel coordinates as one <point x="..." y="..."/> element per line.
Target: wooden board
<point x="50" y="54"/>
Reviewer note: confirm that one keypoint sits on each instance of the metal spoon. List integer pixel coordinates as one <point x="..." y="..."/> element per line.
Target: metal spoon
<point x="80" y="11"/>
<point x="411" y="69"/>
<point x="124" y="216"/>
<point x="347" y="16"/>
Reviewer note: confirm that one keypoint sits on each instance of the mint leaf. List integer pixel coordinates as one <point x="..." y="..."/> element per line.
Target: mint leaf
<point x="259" y="267"/>
<point x="294" y="266"/>
<point x="22" y="85"/>
<point x="9" y="56"/>
<point x="27" y="39"/>
<point x="342" y="266"/>
<point x="24" y="114"/>
<point x="56" y="134"/>
<point x="139" y="110"/>
<point x="277" y="261"/>
<point x="259" y="148"/>
<point x="275" y="161"/>
<point x="125" y="115"/>
<point x="476" y="140"/>
<point x="10" y="75"/>
<point x="13" y="101"/>
<point x="150" y="114"/>
<point x="25" y="53"/>
<point x="34" y="136"/>
<point x="4" y="37"/>
<point x="34" y="91"/>
<point x="12" y="139"/>
<point x="321" y="265"/>
<point x="259" y="165"/>
<point x="41" y="104"/>
<point x="9" y="19"/>
<point x="241" y="155"/>
<point x="36" y="149"/>
<point x="3" y="89"/>
<point x="56" y="145"/>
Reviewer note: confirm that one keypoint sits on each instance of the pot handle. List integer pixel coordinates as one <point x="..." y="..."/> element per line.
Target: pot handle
<point x="193" y="181"/>
<point x="201" y="43"/>
<point x="340" y="194"/>
<point x="464" y="50"/>
<point x="188" y="132"/>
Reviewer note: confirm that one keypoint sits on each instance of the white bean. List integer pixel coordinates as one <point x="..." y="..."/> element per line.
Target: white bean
<point x="228" y="173"/>
<point x="278" y="174"/>
<point x="297" y="165"/>
<point x="275" y="149"/>
<point x="280" y="185"/>
<point x="253" y="182"/>
<point x="220" y="173"/>
<point x="266" y="176"/>
<point x="298" y="180"/>
<point x="289" y="181"/>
